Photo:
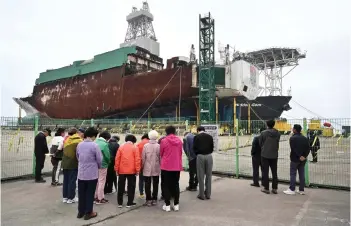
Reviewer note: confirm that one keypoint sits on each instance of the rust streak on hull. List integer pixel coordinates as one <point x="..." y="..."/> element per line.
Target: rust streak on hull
<point x="95" y="94"/>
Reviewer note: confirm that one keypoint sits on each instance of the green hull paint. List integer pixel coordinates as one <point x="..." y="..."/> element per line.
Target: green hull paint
<point x="111" y="59"/>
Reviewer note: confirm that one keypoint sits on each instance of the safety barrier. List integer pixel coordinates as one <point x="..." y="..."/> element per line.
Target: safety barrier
<point x="331" y="137"/>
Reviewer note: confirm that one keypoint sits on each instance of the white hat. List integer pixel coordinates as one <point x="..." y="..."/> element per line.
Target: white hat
<point x="153" y="135"/>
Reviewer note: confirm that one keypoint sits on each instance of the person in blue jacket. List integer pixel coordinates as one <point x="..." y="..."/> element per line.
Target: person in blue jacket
<point x="256" y="159"/>
<point x="188" y="142"/>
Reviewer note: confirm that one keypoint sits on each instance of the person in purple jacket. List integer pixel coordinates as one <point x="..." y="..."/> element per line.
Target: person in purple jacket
<point x="89" y="162"/>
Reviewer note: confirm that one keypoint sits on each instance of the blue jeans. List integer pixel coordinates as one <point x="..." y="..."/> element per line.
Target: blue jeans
<point x="69" y="183"/>
<point x="141" y="183"/>
<point x="300" y="167"/>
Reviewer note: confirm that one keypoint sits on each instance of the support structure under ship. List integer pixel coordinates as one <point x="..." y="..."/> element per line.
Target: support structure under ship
<point x="131" y="82"/>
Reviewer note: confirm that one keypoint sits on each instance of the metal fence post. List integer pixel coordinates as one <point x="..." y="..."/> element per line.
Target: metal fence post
<point x="307" y="173"/>
<point x="237" y="147"/>
<point x="36" y="125"/>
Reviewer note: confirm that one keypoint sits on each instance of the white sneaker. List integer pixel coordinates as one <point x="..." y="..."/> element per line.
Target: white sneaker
<point x="289" y="192"/>
<point x="64" y="200"/>
<point x="166" y="208"/>
<point x="70" y="201"/>
<point x="301" y="192"/>
<point x="176" y="208"/>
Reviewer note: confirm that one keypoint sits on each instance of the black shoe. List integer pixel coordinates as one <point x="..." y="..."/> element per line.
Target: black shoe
<point x="265" y="191"/>
<point x="201" y="198"/>
<point x="131" y="205"/>
<point x="91" y="215"/>
<point x="80" y="215"/>
<point x="274" y="191"/>
<point x="40" y="181"/>
<point x="191" y="188"/>
<point x="208" y="198"/>
<point x="255" y="185"/>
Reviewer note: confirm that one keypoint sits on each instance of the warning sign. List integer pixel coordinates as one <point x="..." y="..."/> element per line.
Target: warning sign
<point x="213" y="131"/>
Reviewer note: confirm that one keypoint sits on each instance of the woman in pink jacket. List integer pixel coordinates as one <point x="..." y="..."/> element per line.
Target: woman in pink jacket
<point x="171" y="165"/>
<point x="151" y="167"/>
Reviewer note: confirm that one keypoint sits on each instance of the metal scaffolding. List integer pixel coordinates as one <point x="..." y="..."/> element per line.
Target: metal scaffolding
<point x="272" y="61"/>
<point x="207" y="94"/>
<point x="140" y="24"/>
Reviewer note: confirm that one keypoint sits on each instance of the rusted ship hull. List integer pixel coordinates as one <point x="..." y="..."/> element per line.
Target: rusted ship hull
<point x="262" y="108"/>
<point x="110" y="92"/>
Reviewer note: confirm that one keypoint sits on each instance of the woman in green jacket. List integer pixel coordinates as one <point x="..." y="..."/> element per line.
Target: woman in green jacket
<point x="102" y="142"/>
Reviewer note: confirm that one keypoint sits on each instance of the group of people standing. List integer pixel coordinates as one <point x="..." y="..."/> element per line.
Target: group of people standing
<point x="94" y="160"/>
<point x="264" y="154"/>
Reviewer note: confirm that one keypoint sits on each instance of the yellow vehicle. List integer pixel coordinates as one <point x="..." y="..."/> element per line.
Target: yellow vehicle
<point x="316" y="125"/>
<point x="282" y="126"/>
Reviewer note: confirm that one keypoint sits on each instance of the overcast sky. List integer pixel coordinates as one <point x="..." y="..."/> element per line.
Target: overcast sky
<point x="43" y="34"/>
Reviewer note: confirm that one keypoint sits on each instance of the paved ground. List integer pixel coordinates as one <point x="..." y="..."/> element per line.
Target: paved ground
<point x="233" y="203"/>
<point x="333" y="167"/>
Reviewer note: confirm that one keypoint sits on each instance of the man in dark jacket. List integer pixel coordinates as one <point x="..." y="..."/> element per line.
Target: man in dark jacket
<point x="256" y="159"/>
<point x="188" y="142"/>
<point x="40" y="149"/>
<point x="299" y="151"/>
<point x="203" y="148"/>
<point x="314" y="145"/>
<point x="111" y="178"/>
<point x="269" y="143"/>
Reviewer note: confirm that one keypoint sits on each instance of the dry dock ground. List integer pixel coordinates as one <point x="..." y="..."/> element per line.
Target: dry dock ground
<point x="333" y="167"/>
<point x="233" y="202"/>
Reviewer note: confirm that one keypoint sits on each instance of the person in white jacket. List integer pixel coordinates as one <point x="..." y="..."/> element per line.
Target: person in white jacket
<point x="56" y="152"/>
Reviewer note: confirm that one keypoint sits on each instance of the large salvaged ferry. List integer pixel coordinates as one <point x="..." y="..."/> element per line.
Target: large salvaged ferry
<point x="133" y="81"/>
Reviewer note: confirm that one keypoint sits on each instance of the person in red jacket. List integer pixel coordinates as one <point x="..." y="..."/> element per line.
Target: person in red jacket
<point x="140" y="145"/>
<point x="127" y="166"/>
<point x="171" y="149"/>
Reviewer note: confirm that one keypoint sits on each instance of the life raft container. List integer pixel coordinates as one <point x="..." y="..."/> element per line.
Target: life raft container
<point x="327" y="124"/>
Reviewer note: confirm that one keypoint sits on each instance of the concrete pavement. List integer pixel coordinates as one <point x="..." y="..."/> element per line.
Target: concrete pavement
<point x="233" y="202"/>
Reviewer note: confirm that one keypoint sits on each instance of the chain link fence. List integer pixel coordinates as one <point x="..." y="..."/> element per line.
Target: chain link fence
<point x="331" y="167"/>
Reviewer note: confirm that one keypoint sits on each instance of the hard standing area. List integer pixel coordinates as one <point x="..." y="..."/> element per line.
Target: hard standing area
<point x="233" y="202"/>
